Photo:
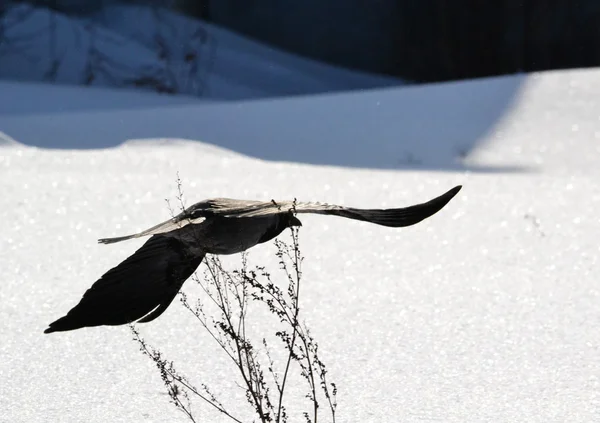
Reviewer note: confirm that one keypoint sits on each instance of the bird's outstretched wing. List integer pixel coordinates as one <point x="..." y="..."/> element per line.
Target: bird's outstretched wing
<point x="227" y="207"/>
<point x="141" y="287"/>
<point x="394" y="218"/>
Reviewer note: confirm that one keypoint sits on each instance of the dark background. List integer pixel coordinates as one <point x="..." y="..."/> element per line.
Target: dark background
<point x="418" y="40"/>
<point x="437" y="40"/>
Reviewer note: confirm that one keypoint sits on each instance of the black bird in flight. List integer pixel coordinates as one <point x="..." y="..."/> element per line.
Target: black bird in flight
<point x="144" y="285"/>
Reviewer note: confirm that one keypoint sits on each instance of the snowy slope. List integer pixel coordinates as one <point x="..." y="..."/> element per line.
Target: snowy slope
<point x="158" y="50"/>
<point x="428" y="126"/>
<point x="487" y="312"/>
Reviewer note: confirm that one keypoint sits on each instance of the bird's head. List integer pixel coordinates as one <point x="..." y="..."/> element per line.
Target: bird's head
<point x="293" y="220"/>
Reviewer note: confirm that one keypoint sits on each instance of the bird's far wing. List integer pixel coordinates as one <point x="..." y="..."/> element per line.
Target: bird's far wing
<point x="142" y="285"/>
<point x="394" y="218"/>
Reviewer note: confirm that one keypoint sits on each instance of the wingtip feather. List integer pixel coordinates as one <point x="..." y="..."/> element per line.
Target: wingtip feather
<point x="116" y="239"/>
<point x="455" y="190"/>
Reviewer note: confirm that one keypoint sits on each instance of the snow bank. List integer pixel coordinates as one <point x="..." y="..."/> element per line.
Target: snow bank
<point x="432" y="126"/>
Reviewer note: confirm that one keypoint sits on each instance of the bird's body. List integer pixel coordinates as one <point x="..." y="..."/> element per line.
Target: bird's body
<point x="226" y="235"/>
<point x="142" y="287"/>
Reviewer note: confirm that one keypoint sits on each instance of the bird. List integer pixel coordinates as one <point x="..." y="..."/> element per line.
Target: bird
<point x="142" y="287"/>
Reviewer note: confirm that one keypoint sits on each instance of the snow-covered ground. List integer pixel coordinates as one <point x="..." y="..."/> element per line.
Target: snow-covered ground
<point x="383" y="128"/>
<point x="487" y="312"/>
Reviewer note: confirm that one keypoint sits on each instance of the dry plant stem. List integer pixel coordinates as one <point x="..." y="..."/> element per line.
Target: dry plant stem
<point x="205" y="326"/>
<point x="252" y="366"/>
<point x="180" y="380"/>
<point x="223" y="303"/>
<point x="294" y="323"/>
<point x="272" y="367"/>
<point x="328" y="395"/>
<point x="245" y="371"/>
<point x="229" y="294"/>
<point x="311" y="375"/>
<point x="297" y="328"/>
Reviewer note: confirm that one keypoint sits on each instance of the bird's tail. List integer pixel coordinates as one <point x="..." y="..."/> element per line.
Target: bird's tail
<point x="167" y="226"/>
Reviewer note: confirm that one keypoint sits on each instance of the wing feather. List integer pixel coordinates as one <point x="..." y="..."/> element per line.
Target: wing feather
<point x="146" y="282"/>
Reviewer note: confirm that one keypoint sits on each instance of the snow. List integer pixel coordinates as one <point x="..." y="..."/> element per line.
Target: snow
<point x="486" y="312"/>
<point x="384" y="128"/>
<point x="159" y="50"/>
